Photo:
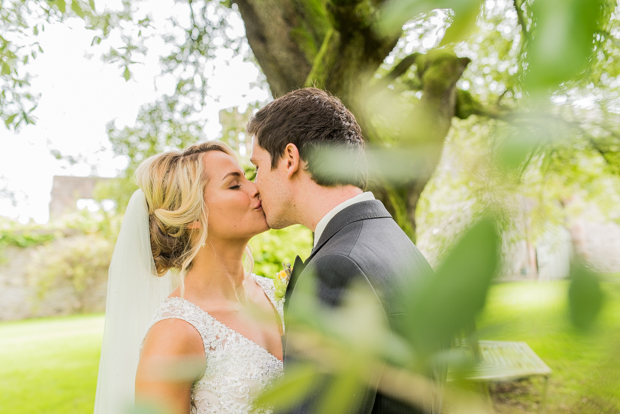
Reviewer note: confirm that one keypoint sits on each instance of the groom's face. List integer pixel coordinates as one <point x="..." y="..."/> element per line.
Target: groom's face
<point x="272" y="185"/>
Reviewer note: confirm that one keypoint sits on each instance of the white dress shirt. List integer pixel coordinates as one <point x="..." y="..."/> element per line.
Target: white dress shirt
<point x="320" y="227"/>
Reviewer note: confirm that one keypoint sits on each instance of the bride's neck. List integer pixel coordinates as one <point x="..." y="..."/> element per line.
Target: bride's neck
<point x="218" y="272"/>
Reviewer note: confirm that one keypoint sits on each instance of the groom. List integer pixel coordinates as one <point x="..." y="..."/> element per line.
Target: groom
<point x="355" y="238"/>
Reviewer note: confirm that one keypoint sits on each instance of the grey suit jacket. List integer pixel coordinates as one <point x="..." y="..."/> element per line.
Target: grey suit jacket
<point x="361" y="243"/>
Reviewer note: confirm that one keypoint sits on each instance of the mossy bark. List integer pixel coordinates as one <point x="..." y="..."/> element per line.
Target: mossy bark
<point x="332" y="45"/>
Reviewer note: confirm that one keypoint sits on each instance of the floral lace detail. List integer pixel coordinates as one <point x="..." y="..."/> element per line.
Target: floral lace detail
<point x="238" y="369"/>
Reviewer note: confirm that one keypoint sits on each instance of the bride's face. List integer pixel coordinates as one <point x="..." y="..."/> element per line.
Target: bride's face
<point x="235" y="211"/>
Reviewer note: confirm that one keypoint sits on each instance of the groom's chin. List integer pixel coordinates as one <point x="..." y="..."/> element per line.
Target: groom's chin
<point x="273" y="225"/>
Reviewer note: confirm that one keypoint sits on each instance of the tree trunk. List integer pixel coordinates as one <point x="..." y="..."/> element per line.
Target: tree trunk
<point x="334" y="47"/>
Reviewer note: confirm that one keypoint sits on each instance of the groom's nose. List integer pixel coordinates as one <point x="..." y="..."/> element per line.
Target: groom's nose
<point x="253" y="190"/>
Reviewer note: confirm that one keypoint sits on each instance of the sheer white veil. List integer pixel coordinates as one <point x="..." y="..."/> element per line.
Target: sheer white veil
<point x="134" y="293"/>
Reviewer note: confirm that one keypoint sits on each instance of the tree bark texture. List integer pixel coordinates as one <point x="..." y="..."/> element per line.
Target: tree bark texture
<point x="332" y="45"/>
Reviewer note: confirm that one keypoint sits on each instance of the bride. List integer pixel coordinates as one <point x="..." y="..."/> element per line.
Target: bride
<point x="212" y="344"/>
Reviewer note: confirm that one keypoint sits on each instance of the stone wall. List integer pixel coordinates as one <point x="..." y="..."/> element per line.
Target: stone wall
<point x="19" y="299"/>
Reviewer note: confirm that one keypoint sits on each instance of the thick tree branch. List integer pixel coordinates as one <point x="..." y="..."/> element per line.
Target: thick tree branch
<point x="521" y="17"/>
<point x="270" y="28"/>
<point x="467" y="105"/>
<point x="402" y="67"/>
<point x="428" y="126"/>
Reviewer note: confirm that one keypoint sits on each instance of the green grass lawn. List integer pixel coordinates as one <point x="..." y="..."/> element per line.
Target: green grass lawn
<point x="50" y="365"/>
<point x="586" y="367"/>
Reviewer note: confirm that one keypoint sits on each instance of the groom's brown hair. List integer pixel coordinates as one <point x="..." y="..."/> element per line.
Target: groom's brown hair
<point x="312" y="120"/>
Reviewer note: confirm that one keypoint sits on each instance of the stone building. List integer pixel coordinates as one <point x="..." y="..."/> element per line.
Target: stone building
<point x="67" y="190"/>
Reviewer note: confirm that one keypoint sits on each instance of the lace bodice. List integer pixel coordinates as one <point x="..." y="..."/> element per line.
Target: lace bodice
<point x="238" y="369"/>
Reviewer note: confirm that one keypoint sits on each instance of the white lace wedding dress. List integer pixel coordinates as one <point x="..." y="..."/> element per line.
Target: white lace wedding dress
<point x="238" y="369"/>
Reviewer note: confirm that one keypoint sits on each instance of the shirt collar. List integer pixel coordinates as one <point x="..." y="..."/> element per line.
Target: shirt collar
<point x="320" y="227"/>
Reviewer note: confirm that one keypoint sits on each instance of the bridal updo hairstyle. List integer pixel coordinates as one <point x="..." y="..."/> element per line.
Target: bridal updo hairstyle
<point x="173" y="183"/>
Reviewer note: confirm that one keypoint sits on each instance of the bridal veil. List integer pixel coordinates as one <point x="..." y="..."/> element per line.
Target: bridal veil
<point x="134" y="293"/>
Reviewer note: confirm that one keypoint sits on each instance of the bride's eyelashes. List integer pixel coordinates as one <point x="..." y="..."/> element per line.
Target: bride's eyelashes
<point x="234" y="187"/>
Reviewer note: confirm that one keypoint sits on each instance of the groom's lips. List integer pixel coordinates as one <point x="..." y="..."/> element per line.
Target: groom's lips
<point x="258" y="206"/>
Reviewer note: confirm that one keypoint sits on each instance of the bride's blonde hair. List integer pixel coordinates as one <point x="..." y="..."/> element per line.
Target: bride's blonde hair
<point x="173" y="183"/>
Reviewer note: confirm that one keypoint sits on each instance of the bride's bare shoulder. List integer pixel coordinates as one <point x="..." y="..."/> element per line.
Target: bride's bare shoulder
<point x="172" y="359"/>
<point x="172" y="337"/>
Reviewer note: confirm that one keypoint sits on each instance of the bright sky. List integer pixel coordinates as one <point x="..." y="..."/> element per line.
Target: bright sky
<point x="81" y="94"/>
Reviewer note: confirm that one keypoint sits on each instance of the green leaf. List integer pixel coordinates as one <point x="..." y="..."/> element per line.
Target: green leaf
<point x="62" y="5"/>
<point x="395" y="13"/>
<point x="340" y="395"/>
<point x="77" y="8"/>
<point x="562" y="41"/>
<point x="585" y="297"/>
<point x="447" y="302"/>
<point x="10" y="120"/>
<point x="465" y="16"/>
<point x="289" y="390"/>
<point x="127" y="73"/>
<point x="515" y="149"/>
<point x="6" y="69"/>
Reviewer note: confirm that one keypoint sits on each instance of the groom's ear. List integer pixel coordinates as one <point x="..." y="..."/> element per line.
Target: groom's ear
<point x="291" y="159"/>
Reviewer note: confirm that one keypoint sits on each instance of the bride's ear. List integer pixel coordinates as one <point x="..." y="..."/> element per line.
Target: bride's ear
<point x="194" y="226"/>
<point x="291" y="159"/>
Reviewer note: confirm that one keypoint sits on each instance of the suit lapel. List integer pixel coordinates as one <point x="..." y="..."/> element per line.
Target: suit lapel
<point x="298" y="267"/>
<point x="363" y="210"/>
<point x="360" y="211"/>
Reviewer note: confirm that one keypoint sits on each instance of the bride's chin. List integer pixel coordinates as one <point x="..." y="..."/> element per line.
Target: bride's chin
<point x="260" y="225"/>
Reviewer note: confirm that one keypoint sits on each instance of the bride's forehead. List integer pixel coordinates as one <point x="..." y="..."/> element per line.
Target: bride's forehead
<point x="219" y="163"/>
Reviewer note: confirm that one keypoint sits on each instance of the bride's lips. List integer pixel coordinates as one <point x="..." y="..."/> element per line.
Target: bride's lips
<point x="258" y="206"/>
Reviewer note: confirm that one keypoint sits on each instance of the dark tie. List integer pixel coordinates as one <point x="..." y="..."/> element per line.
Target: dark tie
<point x="298" y="267"/>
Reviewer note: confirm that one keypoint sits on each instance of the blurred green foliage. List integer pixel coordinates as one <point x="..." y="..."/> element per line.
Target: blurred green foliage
<point x="79" y="262"/>
<point x="272" y="248"/>
<point x="73" y="251"/>
<point x="13" y="233"/>
<point x="585" y="296"/>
